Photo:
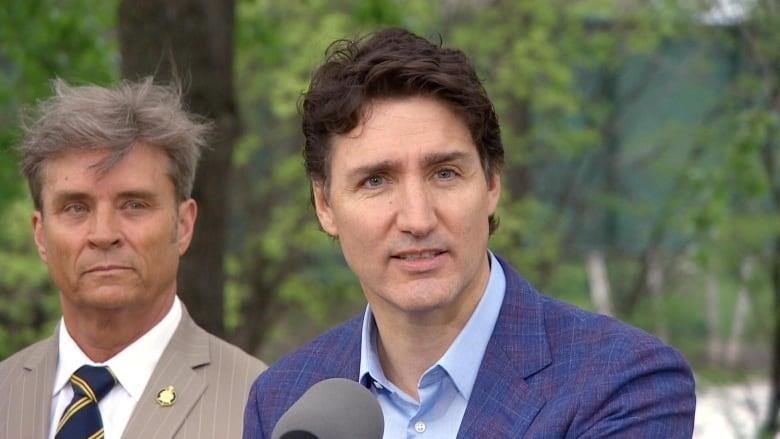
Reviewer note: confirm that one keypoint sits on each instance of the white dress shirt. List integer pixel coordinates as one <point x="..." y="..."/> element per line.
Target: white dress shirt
<point x="133" y="367"/>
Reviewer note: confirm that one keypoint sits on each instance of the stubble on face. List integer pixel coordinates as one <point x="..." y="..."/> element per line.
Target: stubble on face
<point x="409" y="202"/>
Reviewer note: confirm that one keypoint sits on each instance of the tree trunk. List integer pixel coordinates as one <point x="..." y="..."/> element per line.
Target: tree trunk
<point x="714" y="341"/>
<point x="769" y="159"/>
<point x="771" y="424"/>
<point x="599" y="282"/>
<point x="655" y="285"/>
<point x="191" y="40"/>
<point x="741" y="314"/>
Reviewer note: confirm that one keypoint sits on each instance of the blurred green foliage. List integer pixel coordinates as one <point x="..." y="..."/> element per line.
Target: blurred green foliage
<point x="631" y="128"/>
<point x="39" y="40"/>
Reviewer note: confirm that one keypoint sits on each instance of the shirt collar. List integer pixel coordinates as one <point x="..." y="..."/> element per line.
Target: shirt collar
<point x="132" y="366"/>
<point x="462" y="359"/>
<point x="370" y="368"/>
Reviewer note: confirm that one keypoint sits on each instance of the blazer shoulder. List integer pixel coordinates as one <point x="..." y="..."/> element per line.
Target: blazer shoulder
<point x="333" y="354"/>
<point x="223" y="363"/>
<point x="567" y="325"/>
<point x="628" y="382"/>
<point x="327" y="355"/>
<point x="600" y="333"/>
<point x="228" y="353"/>
<point x="203" y="348"/>
<point x="597" y="376"/>
<point x="29" y="375"/>
<point x="29" y="355"/>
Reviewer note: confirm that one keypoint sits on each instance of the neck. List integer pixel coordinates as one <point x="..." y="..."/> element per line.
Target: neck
<point x="101" y="333"/>
<point x="404" y="359"/>
<point x="410" y="345"/>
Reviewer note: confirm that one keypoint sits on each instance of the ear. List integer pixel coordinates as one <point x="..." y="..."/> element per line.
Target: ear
<point x="494" y="192"/>
<point x="324" y="211"/>
<point x="188" y="212"/>
<point x="40" y="241"/>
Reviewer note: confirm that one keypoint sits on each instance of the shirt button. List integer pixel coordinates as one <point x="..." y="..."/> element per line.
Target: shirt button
<point x="419" y="427"/>
<point x="377" y="385"/>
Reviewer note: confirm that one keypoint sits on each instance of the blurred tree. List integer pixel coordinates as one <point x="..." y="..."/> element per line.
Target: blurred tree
<point x="287" y="279"/>
<point x="565" y="78"/>
<point x="646" y="131"/>
<point x="39" y="40"/>
<point x="599" y="157"/>
<point x="756" y="147"/>
<point x="191" y="41"/>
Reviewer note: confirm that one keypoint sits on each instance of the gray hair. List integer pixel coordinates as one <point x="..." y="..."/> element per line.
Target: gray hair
<point x="113" y="119"/>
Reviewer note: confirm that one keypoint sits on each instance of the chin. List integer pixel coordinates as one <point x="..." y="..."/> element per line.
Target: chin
<point x="425" y="304"/>
<point x="108" y="299"/>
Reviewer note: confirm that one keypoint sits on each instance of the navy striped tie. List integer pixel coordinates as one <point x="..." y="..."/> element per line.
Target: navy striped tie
<point x="81" y="419"/>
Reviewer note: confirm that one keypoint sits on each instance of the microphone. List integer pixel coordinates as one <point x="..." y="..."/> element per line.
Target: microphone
<point x="335" y="408"/>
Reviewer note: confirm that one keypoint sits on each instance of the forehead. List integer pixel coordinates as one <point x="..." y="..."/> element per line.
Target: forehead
<point x="393" y="129"/>
<point x="85" y="170"/>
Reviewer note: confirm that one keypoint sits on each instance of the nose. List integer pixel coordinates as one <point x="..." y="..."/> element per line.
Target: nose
<point x="416" y="213"/>
<point x="104" y="232"/>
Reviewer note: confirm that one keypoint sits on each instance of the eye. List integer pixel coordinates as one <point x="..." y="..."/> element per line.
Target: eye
<point x="75" y="208"/>
<point x="134" y="205"/>
<point x="374" y="181"/>
<point x="445" y="174"/>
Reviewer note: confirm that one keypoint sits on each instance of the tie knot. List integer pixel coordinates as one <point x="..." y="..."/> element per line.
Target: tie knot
<point x="94" y="382"/>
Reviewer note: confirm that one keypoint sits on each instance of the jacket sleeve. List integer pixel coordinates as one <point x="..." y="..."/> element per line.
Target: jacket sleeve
<point x="646" y="391"/>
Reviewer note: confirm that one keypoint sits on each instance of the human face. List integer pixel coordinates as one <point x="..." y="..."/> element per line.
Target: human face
<point x="409" y="201"/>
<point x="112" y="240"/>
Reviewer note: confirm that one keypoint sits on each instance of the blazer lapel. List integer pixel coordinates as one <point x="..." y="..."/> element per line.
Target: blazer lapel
<point x="39" y="368"/>
<point x="502" y="404"/>
<point x="349" y="363"/>
<point x="187" y="350"/>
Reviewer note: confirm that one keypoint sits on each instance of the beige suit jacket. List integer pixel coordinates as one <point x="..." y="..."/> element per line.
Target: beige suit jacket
<point x="210" y="377"/>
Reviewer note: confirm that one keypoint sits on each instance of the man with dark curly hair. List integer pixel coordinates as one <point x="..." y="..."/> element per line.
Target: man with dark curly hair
<point x="404" y="154"/>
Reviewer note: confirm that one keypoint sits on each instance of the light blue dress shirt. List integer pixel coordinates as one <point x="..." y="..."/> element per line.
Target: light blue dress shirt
<point x="444" y="389"/>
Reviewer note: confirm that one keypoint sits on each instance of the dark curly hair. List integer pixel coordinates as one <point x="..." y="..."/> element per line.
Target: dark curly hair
<point x="393" y="63"/>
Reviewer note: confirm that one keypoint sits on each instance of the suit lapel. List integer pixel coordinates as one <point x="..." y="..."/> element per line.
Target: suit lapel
<point x="349" y="363"/>
<point x="187" y="350"/>
<point x="502" y="404"/>
<point x="39" y="368"/>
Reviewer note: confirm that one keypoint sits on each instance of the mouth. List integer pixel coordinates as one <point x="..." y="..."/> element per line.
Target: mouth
<point x="419" y="262"/>
<point x="106" y="269"/>
<point x="418" y="255"/>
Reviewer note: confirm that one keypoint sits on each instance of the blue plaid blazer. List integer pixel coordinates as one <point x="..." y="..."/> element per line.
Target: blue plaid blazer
<point x="550" y="370"/>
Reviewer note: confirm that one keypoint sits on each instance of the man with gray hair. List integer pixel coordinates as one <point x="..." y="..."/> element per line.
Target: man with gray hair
<point x="110" y="171"/>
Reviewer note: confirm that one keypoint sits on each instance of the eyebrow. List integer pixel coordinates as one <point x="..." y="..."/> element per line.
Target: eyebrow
<point x="65" y="196"/>
<point x="430" y="160"/>
<point x="371" y="169"/>
<point x="139" y="193"/>
<point x="61" y="197"/>
<point x="444" y="157"/>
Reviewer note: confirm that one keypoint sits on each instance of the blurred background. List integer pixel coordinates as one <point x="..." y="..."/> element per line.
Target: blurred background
<point x="642" y="175"/>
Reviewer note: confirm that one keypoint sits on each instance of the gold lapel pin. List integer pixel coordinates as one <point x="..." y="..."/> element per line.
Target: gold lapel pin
<point x="166" y="397"/>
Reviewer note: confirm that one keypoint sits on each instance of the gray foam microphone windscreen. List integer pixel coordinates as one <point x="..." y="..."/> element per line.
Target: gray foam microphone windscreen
<point x="335" y="408"/>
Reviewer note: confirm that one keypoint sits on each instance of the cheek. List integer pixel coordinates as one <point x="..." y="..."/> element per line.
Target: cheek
<point x="62" y="259"/>
<point x="481" y="206"/>
<point x="364" y="228"/>
<point x="60" y="244"/>
<point x="362" y="258"/>
<point x="359" y="236"/>
<point x="357" y="240"/>
<point x="174" y="238"/>
<point x="351" y="217"/>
